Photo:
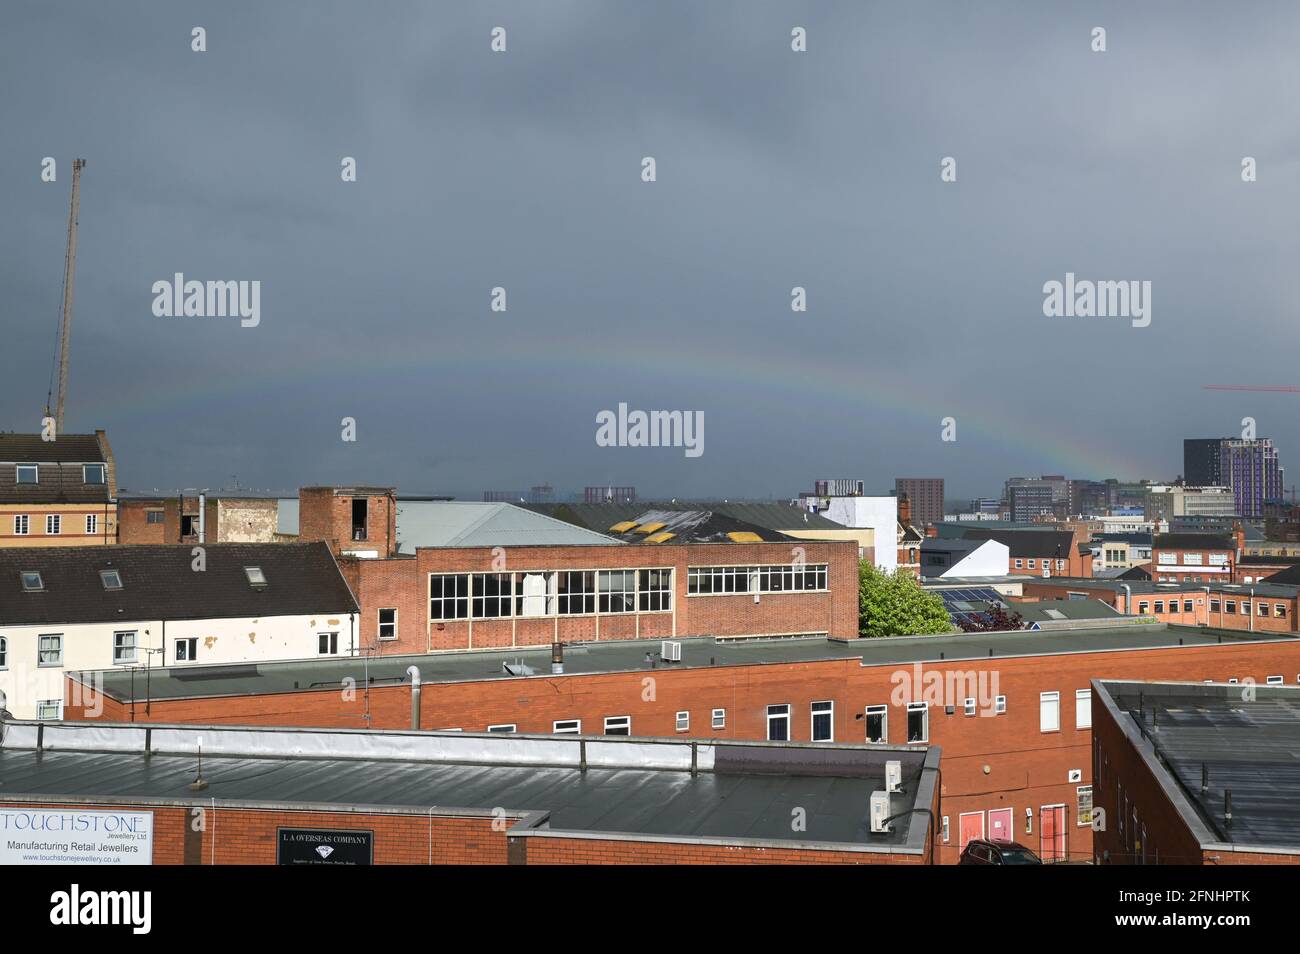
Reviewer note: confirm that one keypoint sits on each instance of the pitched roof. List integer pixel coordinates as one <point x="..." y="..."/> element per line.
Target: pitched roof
<point x="1028" y="543"/>
<point x="464" y="523"/>
<point x="59" y="469"/>
<point x="770" y="515"/>
<point x="1290" y="575"/>
<point x="159" y="582"/>
<point x="1194" y="541"/>
<point x="690" y="526"/>
<point x="66" y="449"/>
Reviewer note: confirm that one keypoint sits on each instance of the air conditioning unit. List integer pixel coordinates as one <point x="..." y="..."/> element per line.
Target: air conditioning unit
<point x="670" y="651"/>
<point x="879" y="812"/>
<point x="894" y="775"/>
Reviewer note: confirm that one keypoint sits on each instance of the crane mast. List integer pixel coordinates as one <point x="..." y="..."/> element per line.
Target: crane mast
<point x="70" y="268"/>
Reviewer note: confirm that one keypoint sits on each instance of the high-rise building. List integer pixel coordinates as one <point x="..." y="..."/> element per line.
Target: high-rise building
<point x="1027" y="501"/>
<point x="1202" y="461"/>
<point x="926" y="495"/>
<point x="1252" y="469"/>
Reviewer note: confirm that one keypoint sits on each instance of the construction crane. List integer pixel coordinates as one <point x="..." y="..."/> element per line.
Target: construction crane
<point x="69" y="273"/>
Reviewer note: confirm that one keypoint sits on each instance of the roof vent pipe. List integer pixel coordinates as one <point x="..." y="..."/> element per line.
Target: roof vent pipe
<point x="557" y="658"/>
<point x="414" y="673"/>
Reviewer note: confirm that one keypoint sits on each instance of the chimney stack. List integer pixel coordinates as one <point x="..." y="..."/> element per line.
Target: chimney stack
<point x="904" y="510"/>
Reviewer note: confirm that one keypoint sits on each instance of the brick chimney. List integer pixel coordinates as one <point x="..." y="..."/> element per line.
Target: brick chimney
<point x="1240" y="534"/>
<point x="904" y="510"/>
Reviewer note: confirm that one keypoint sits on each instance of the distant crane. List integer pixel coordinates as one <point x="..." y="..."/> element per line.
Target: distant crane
<point x="69" y="273"/>
<point x="1278" y="388"/>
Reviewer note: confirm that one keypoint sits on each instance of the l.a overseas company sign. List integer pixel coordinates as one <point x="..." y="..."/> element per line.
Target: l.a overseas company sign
<point x="314" y="846"/>
<point x="52" y="836"/>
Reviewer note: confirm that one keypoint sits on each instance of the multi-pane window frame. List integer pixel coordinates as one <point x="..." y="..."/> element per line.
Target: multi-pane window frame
<point x="125" y="647"/>
<point x="778" y="715"/>
<point x="618" y="725"/>
<point x="92" y="523"/>
<point x="654" y="590"/>
<point x="882" y="712"/>
<point x="616" y="591"/>
<point x="49" y="650"/>
<point x="53" y="524"/>
<point x="822" y="721"/>
<point x="448" y="596"/>
<point x="386" y="628"/>
<point x="22" y="525"/>
<point x="492" y="596"/>
<point x="764" y="579"/>
<point x="190" y="653"/>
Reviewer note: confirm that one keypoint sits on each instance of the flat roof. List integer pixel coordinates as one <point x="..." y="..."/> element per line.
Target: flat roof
<point x="1150" y="587"/>
<point x="1250" y="746"/>
<point x="678" y="790"/>
<point x="180" y="682"/>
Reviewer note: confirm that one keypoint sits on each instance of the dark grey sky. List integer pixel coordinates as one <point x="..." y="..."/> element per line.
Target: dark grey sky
<point x="775" y="169"/>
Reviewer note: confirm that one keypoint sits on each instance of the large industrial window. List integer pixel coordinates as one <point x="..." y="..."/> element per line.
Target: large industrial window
<point x="1049" y="711"/>
<point x="534" y="594"/>
<point x="493" y="594"/>
<point x="779" y="578"/>
<point x="878" y="724"/>
<point x="778" y="723"/>
<point x="577" y="592"/>
<point x="654" y="590"/>
<point x="918" y="722"/>
<point x="617" y="591"/>
<point x="823" y="721"/>
<point x="449" y="596"/>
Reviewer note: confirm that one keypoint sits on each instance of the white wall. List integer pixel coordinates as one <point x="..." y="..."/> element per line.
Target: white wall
<point x="89" y="646"/>
<point x="879" y="514"/>
<point x="990" y="559"/>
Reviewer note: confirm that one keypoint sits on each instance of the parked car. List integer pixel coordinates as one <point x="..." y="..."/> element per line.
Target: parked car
<point x="981" y="852"/>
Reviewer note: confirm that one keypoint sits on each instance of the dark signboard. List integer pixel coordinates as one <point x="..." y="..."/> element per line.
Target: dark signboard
<point x="315" y="846"/>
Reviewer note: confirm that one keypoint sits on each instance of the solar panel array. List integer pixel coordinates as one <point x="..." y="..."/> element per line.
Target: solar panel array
<point x="959" y="602"/>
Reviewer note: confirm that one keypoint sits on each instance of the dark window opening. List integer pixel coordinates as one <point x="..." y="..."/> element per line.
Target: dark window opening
<point x="359" y="513"/>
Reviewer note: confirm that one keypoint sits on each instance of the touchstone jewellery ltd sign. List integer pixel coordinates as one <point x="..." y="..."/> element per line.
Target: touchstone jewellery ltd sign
<point x="307" y="846"/>
<point x="48" y="836"/>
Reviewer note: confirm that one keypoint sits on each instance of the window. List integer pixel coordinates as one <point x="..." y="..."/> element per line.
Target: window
<point x="970" y="706"/>
<point x="111" y="579"/>
<point x="50" y="652"/>
<point x="189" y="525"/>
<point x="1060" y="564"/>
<point x="1245" y="607"/>
<point x="123" y="648"/>
<point x="1230" y="606"/>
<point x="1084" y="795"/>
<point x="878" y="724"/>
<point x="1144" y="606"/>
<point x="947" y="832"/>
<point x="327" y="644"/>
<point x="449" y="596"/>
<point x="654" y="590"/>
<point x="28" y="474"/>
<point x="773" y="578"/>
<point x="49" y="709"/>
<point x="256" y="578"/>
<point x="1160" y="606"/>
<point x="1020" y="564"/>
<point x="388" y="623"/>
<point x="778" y="723"/>
<point x="719" y="718"/>
<point x="1261" y="609"/>
<point x="153" y="516"/>
<point x="360" y="510"/>
<point x="567" y="727"/>
<point x="22" y="524"/>
<point x="493" y="595"/>
<point x="617" y="591"/>
<point x="4" y="653"/>
<point x="504" y="727"/>
<point x="1033" y="564"/>
<point x="577" y="592"/>
<point x="92" y="473"/>
<point x="53" y="524"/>
<point x="1279" y="610"/>
<point x="683" y="721"/>
<point x="1214" y="604"/>
<point x="32" y="582"/>
<point x="918" y="722"/>
<point x="618" y="725"/>
<point x="1274" y="680"/>
<point x="92" y="523"/>
<point x="1083" y="708"/>
<point x="1049" y="711"/>
<point x="823" y="721"/>
<point x="1000" y="705"/>
<point x="187" y="650"/>
<point x="1187" y="606"/>
<point x="535" y="594"/>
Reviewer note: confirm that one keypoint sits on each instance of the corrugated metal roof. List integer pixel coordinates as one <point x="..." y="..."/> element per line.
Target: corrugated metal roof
<point x="464" y="523"/>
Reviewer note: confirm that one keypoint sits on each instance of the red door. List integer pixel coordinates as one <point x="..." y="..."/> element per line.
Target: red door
<point x="1051" y="828"/>
<point x="971" y="826"/>
<point x="1000" y="824"/>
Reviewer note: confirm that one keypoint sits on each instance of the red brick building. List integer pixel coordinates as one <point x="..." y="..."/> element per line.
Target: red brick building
<point x="1195" y="774"/>
<point x="1198" y="558"/>
<point x="1011" y="711"/>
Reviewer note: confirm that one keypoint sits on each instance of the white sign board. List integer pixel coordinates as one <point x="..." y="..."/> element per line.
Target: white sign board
<point x="70" y="836"/>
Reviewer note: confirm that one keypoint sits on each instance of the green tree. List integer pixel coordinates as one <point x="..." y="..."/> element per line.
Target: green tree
<point x="894" y="604"/>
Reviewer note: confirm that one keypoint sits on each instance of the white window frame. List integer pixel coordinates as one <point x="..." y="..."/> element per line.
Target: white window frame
<point x="947" y="831"/>
<point x="22" y="524"/>
<point x="814" y="712"/>
<point x="924" y="709"/>
<point x="119" y="646"/>
<point x="191" y="649"/>
<point x="1273" y="680"/>
<point x="776" y="717"/>
<point x="43" y="704"/>
<point x="380" y="624"/>
<point x="504" y="727"/>
<point x="883" y="712"/>
<point x="18" y="474"/>
<point x="618" y="722"/>
<point x="999" y="705"/>
<point x="92" y="523"/>
<point x="682" y="720"/>
<point x="968" y="705"/>
<point x="85" y="475"/>
<point x="1049" y="703"/>
<point x="571" y="727"/>
<point x="40" y="652"/>
<point x="1083" y="708"/>
<point x="719" y="719"/>
<point x="53" y="524"/>
<point x="4" y="652"/>
<point x="333" y="644"/>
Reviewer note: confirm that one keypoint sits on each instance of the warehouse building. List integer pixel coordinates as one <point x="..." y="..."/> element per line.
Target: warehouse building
<point x="1197" y="774"/>
<point x="1011" y="710"/>
<point x="75" y="793"/>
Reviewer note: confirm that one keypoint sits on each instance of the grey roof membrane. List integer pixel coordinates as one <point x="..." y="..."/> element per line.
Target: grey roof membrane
<point x="630" y="655"/>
